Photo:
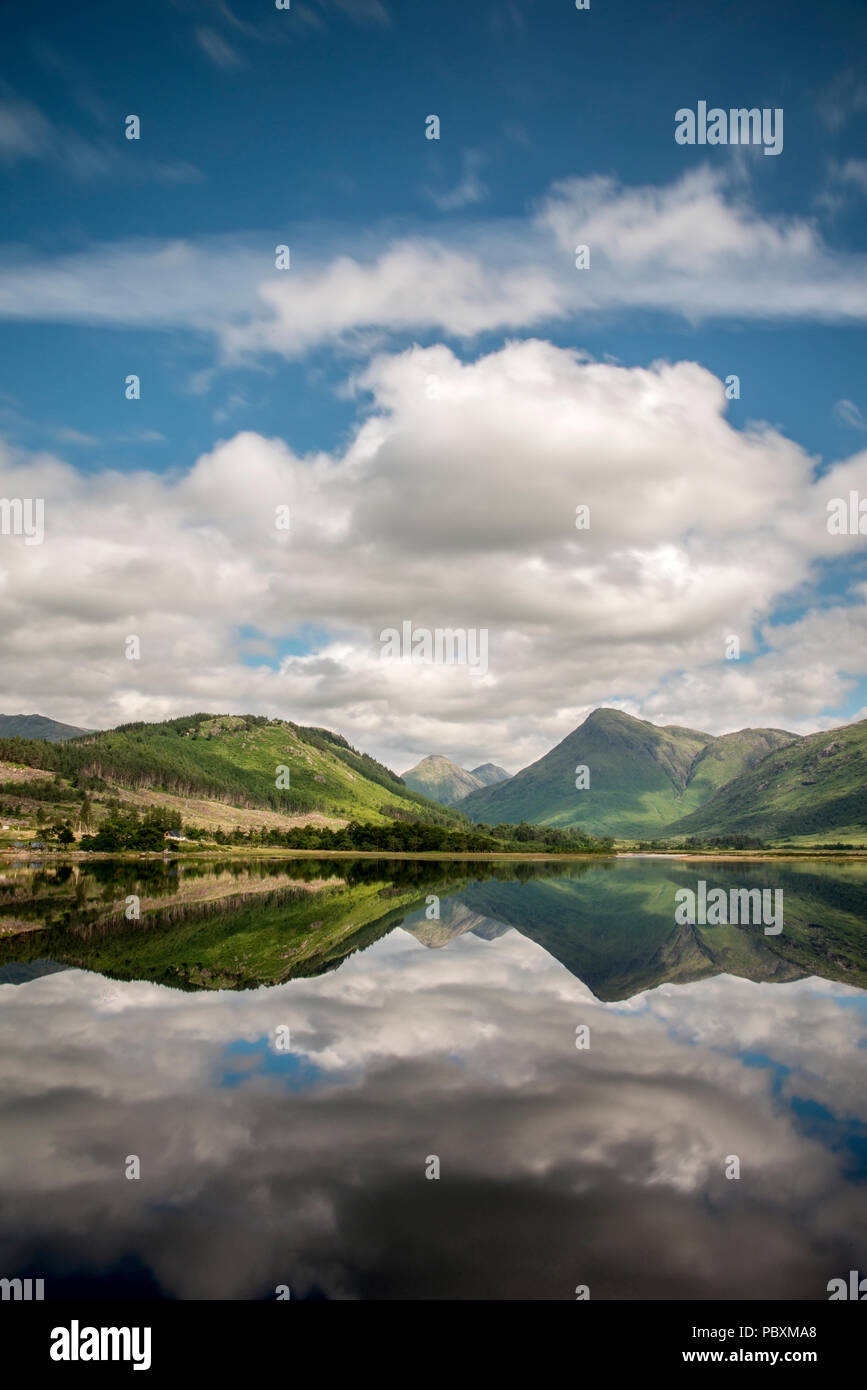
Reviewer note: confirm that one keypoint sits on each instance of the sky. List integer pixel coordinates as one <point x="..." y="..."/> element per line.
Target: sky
<point x="432" y="386"/>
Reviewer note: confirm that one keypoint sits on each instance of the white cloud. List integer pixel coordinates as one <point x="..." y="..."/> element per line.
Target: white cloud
<point x="145" y="282"/>
<point x="848" y="413"/>
<point x="457" y="511"/>
<point x="413" y="285"/>
<point x="699" y="249"/>
<point x="696" y="248"/>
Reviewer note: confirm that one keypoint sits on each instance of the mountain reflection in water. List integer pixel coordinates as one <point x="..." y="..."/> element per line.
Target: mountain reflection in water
<point x="411" y="1036"/>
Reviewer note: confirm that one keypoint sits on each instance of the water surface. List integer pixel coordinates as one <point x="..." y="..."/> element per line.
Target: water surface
<point x="413" y="1037"/>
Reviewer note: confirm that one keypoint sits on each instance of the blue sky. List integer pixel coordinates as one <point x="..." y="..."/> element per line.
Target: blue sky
<point x="307" y="127"/>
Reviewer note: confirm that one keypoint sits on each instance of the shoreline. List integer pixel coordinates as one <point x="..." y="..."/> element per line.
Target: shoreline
<point x="506" y="856"/>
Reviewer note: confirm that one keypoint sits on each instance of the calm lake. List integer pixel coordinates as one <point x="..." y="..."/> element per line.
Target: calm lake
<point x="291" y="1048"/>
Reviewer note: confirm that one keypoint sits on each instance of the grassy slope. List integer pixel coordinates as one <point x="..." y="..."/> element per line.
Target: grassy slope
<point x="729" y="756"/>
<point x="816" y="789"/>
<point x="234" y="759"/>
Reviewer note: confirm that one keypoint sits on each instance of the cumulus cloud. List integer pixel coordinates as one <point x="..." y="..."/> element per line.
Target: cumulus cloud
<point x="413" y="284"/>
<point x="452" y="506"/>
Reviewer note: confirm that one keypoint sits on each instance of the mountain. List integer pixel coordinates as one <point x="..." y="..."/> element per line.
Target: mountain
<point x="815" y="787"/>
<point x="488" y="775"/>
<point x="243" y="925"/>
<point x="31" y="970"/>
<point x="237" y="931"/>
<point x="237" y="760"/>
<point x="37" y="726"/>
<point x="442" y="780"/>
<point x="642" y="777"/>
<point x="456" y="921"/>
<point x="645" y="781"/>
<point x="614" y="928"/>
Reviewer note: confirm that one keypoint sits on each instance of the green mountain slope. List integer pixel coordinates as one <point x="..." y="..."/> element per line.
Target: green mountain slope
<point x="730" y="755"/>
<point x="37" y="726"/>
<point x="443" y="781"/>
<point x="641" y="776"/>
<point x="814" y="788"/>
<point x="236" y="759"/>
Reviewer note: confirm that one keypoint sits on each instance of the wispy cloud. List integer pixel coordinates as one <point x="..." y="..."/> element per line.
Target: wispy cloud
<point x="26" y="133"/>
<point x="848" y="414"/>
<point x="468" y="190"/>
<point x="853" y="171"/>
<point x="843" y="97"/>
<point x="221" y="53"/>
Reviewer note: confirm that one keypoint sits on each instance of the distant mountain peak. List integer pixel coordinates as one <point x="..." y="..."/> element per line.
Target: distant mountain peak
<point x="437" y="777"/>
<point x="38" y="726"/>
<point x="489" y="774"/>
